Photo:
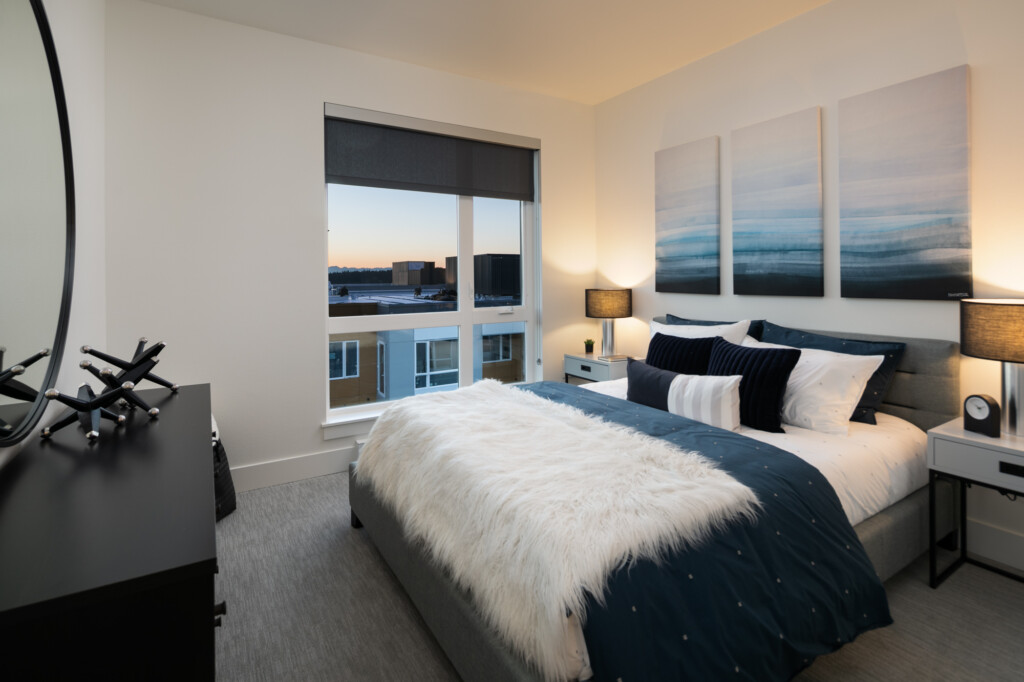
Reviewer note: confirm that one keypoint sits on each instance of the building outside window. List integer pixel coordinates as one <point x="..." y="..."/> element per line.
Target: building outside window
<point x="440" y="278"/>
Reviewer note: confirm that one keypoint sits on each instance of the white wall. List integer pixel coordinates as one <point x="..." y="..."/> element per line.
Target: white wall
<point x="216" y="216"/>
<point x="841" y="49"/>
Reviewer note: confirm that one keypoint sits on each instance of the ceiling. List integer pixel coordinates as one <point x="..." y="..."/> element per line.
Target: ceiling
<point x="581" y="50"/>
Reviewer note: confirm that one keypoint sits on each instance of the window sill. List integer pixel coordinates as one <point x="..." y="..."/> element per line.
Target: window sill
<point x="355" y="421"/>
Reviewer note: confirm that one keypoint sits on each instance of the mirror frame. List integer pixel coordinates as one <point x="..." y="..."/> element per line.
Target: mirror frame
<point x="57" y="348"/>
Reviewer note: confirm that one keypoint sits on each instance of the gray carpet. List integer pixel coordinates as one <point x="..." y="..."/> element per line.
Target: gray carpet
<point x="310" y="599"/>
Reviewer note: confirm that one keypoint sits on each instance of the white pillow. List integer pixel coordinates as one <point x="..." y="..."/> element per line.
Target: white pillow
<point x="712" y="400"/>
<point x="824" y="387"/>
<point x="733" y="333"/>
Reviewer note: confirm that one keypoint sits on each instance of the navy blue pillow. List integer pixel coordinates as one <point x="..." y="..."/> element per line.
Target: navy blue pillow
<point x="878" y="384"/>
<point x="676" y="354"/>
<point x="765" y="372"/>
<point x="756" y="326"/>
<point x="648" y="385"/>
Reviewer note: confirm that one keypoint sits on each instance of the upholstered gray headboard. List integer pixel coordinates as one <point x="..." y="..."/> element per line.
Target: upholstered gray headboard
<point x="926" y="388"/>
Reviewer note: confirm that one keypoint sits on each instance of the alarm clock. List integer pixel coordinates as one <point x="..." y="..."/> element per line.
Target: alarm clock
<point x="981" y="415"/>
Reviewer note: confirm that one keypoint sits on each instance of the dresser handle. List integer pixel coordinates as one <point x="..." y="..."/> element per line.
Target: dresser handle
<point x="1012" y="469"/>
<point x="585" y="368"/>
<point x="220" y="609"/>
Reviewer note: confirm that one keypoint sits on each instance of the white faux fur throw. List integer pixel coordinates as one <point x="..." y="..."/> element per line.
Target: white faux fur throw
<point x="532" y="504"/>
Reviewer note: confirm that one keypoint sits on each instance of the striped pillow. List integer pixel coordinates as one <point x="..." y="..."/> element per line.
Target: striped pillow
<point x="713" y="400"/>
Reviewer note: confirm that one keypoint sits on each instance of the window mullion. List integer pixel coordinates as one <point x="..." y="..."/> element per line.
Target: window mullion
<point x="531" y="288"/>
<point x="465" y="289"/>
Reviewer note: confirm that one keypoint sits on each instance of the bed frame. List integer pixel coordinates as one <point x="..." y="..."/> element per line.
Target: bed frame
<point x="925" y="392"/>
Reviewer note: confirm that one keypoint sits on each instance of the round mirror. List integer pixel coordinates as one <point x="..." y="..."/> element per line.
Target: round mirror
<point x="36" y="216"/>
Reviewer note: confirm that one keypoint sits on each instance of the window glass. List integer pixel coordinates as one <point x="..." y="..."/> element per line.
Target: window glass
<point x="406" y="362"/>
<point x="497" y="252"/>
<point x="389" y="251"/>
<point x="502" y="352"/>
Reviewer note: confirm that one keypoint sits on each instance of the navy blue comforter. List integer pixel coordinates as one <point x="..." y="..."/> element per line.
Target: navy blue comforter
<point x="759" y="601"/>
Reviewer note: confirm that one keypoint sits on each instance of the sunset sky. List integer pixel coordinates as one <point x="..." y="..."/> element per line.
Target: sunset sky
<point x="370" y="227"/>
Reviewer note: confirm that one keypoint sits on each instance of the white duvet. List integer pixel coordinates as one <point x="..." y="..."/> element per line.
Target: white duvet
<point x="870" y="469"/>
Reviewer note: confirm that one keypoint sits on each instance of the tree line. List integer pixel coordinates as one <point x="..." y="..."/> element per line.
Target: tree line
<point x="360" y="277"/>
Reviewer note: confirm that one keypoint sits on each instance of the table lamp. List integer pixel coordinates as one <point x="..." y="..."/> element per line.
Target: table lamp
<point x="609" y="304"/>
<point x="993" y="329"/>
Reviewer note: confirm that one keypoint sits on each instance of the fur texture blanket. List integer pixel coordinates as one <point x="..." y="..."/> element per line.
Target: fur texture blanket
<point x="531" y="504"/>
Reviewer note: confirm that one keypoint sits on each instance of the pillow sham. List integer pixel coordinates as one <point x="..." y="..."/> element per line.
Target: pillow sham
<point x="755" y="330"/>
<point x="732" y="333"/>
<point x="877" y="386"/>
<point x="824" y="387"/>
<point x="714" y="401"/>
<point x="679" y="354"/>
<point x="765" y="372"/>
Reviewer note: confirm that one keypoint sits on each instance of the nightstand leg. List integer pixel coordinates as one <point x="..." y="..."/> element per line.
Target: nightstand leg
<point x="963" y="521"/>
<point x="934" y="577"/>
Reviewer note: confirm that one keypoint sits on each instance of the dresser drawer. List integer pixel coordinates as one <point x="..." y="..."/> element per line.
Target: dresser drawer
<point x="595" y="371"/>
<point x="994" y="467"/>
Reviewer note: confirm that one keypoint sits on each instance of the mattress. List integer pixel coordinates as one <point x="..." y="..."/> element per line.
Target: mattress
<point x="870" y="469"/>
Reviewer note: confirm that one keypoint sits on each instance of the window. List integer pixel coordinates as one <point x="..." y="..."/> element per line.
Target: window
<point x="431" y="252"/>
<point x="497" y="348"/>
<point x="344" y="359"/>
<point x="437" y="363"/>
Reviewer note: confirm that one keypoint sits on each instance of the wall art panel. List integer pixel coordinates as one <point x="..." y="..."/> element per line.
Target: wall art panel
<point x="687" y="218"/>
<point x="776" y="207"/>
<point x="904" y="190"/>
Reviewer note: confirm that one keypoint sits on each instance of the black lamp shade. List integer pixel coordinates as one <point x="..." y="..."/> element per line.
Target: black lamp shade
<point x="992" y="329"/>
<point x="609" y="303"/>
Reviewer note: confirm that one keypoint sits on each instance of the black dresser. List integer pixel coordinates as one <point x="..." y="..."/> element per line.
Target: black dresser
<point x="108" y="551"/>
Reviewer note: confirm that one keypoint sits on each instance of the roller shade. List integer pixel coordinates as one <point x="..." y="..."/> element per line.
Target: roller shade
<point x="373" y="155"/>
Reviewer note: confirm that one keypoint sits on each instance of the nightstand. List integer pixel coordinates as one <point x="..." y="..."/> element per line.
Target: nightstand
<point x="971" y="459"/>
<point x="587" y="366"/>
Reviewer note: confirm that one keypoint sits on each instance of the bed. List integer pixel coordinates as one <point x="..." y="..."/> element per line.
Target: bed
<point x="924" y="391"/>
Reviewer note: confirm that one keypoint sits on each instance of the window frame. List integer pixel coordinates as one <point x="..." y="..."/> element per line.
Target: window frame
<point x="467" y="315"/>
<point x="428" y="361"/>
<point x="504" y="348"/>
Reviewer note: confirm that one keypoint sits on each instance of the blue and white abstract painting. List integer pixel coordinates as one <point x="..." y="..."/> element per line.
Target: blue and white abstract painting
<point x="904" y="190"/>
<point x="776" y="207"/>
<point x="686" y="218"/>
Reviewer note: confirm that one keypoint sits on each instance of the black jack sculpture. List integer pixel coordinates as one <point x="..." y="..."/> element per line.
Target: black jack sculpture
<point x="89" y="408"/>
<point x="12" y="388"/>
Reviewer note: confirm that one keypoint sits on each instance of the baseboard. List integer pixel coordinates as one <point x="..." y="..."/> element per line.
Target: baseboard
<point x="995" y="544"/>
<point x="289" y="469"/>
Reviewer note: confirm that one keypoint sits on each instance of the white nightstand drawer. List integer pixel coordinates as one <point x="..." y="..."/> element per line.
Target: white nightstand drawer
<point x="596" y="371"/>
<point x="985" y="465"/>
